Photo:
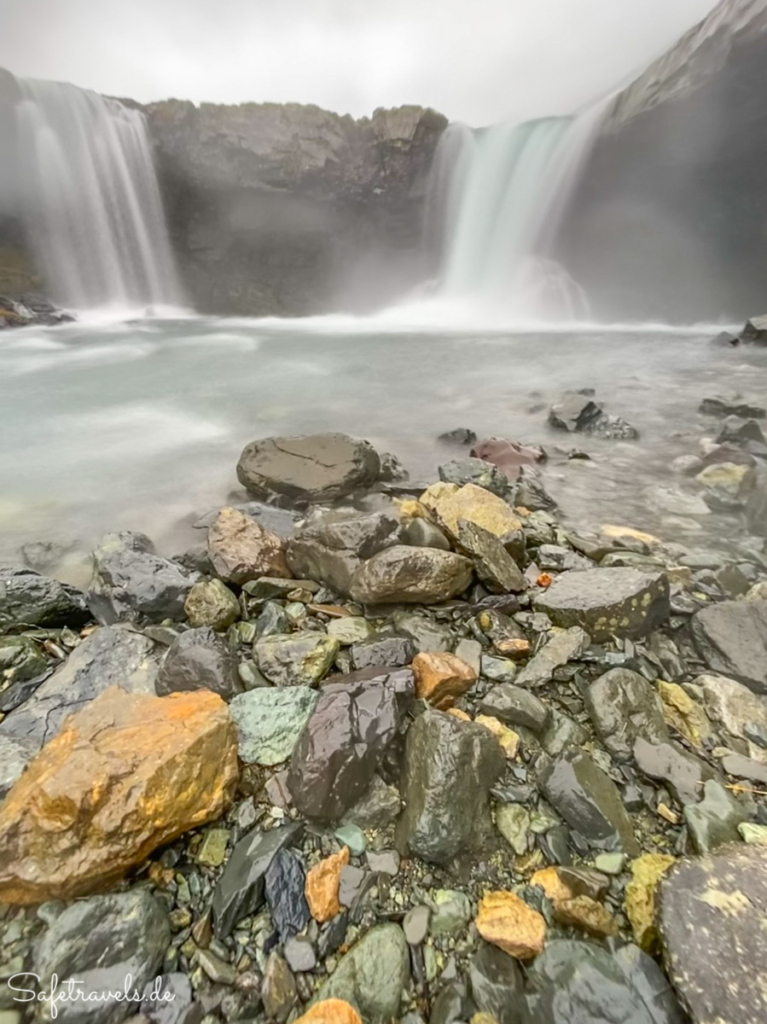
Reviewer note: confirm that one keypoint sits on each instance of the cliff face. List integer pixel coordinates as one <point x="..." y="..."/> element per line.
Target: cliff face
<point x="290" y="209"/>
<point x="671" y="219"/>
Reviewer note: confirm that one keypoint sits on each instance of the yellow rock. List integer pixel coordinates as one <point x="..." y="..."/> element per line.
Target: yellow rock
<point x="552" y="884"/>
<point x="586" y="915"/>
<point x="641" y="891"/>
<point x="440" y="678"/>
<point x="449" y="503"/>
<point x="508" y="739"/>
<point x="322" y="886"/>
<point x="613" y="532"/>
<point x="409" y="509"/>
<point x="330" y="1011"/>
<point x="682" y="713"/>
<point x="457" y="713"/>
<point x="509" y="923"/>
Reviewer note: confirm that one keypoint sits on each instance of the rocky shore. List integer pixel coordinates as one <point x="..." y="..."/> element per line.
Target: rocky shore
<point x="442" y="760"/>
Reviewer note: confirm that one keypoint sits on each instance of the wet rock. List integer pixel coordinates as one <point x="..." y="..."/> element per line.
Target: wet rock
<point x="278" y="990"/>
<point x="731" y="637"/>
<point x="322" y="886"/>
<point x="684" y="773"/>
<point x="589" y="801"/>
<point x="450" y="767"/>
<point x="732" y="704"/>
<point x="508" y="739"/>
<point x="416" y="925"/>
<point x="450" y="504"/>
<point x="506" y="921"/>
<point x="28" y="599"/>
<point x="240" y="549"/>
<point x="714" y="821"/>
<point x="530" y="491"/>
<point x="309" y="468"/>
<point x="744" y="768"/>
<point x="441" y="678"/>
<point x="211" y="603"/>
<point x="284" y="891"/>
<point x="269" y="722"/>
<point x="499" y="670"/>
<point x="300" y="659"/>
<point x="273" y="620"/>
<point x="494" y="565"/>
<point x="712" y="912"/>
<point x="553" y="558"/>
<point x="450" y="912"/>
<point x="508" y="456"/>
<point x="420" y="533"/>
<point x="586" y="915"/>
<point x="513" y="822"/>
<point x="124" y="775"/>
<point x="329" y="546"/>
<point x="300" y="956"/>
<point x="731" y="405"/>
<point x="378" y="807"/>
<point x="350" y="629"/>
<point x="383" y="652"/>
<point x="461" y="435"/>
<point x="424" y="633"/>
<point x="561" y="733"/>
<point x="132" y="582"/>
<point x="239" y="891"/>
<point x="410" y="575"/>
<point x="20" y="660"/>
<point x="175" y="1004"/>
<point x="577" y="413"/>
<point x="623" y="706"/>
<point x="756" y="502"/>
<point x="475" y="471"/>
<point x="372" y="975"/>
<point x="199" y="660"/>
<point x="641" y="898"/>
<point x="15" y="755"/>
<point x="342" y="743"/>
<point x="684" y="714"/>
<point x="737" y="430"/>
<point x="102" y="941"/>
<point x="607" y="602"/>
<point x="330" y="1011"/>
<point x="561" y="648"/>
<point x="496" y="984"/>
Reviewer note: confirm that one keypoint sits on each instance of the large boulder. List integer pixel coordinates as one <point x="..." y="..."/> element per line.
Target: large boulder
<point x="607" y="602"/>
<point x="29" y="599"/>
<point x="449" y="504"/>
<point x="127" y="774"/>
<point x="408" y="575"/>
<point x="712" y="915"/>
<point x="241" y="549"/>
<point x="309" y="468"/>
<point x="450" y="766"/>
<point x="199" y="660"/>
<point x="731" y="637"/>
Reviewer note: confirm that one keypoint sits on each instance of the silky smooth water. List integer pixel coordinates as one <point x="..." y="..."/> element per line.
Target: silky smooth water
<point x="139" y="425"/>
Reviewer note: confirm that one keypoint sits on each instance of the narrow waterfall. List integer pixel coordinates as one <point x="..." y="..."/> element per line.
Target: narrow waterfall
<point x="89" y="200"/>
<point x="499" y="195"/>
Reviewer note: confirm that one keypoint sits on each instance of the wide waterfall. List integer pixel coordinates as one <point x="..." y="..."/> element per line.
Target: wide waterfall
<point x="88" y="197"/>
<point x="497" y="198"/>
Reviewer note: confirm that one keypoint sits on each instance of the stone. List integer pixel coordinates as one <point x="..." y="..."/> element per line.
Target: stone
<point x="102" y="941"/>
<point x="383" y="652"/>
<point x="270" y="720"/>
<point x="15" y="755"/>
<point x="755" y="488"/>
<point x="684" y="773"/>
<point x="278" y="989"/>
<point x="211" y="603"/>
<point x="199" y="660"/>
<point x="515" y="706"/>
<point x="461" y="435"/>
<point x="386" y="861"/>
<point x="751" y="833"/>
<point x="562" y="647"/>
<point x="562" y="733"/>
<point x="416" y="925"/>
<point x="607" y="602"/>
<point x="589" y="801"/>
<point x="218" y="970"/>
<point x="351" y="883"/>
<point x="731" y="637"/>
<point x="496" y="984"/>
<point x="424" y="632"/>
<point x="641" y="895"/>
<point x="378" y="807"/>
<point x="351" y="629"/>
<point x="623" y="706"/>
<point x="352" y="836"/>
<point x="450" y="504"/>
<point x="240" y="549"/>
<point x="737" y="430"/>
<point x="553" y="884"/>
<point x="449" y="769"/>
<point x="494" y="565"/>
<point x="610" y="863"/>
<point x="732" y="704"/>
<point x="441" y="678"/>
<point x="339" y="750"/>
<point x="132" y="582"/>
<point x="308" y="469"/>
<point x="499" y="670"/>
<point x="330" y="545"/>
<point x="29" y="599"/>
<point x="715" y="820"/>
<point x="513" y="822"/>
<point x="474" y="471"/>
<point x="239" y="891"/>
<point x="506" y="921"/>
<point x="586" y="915"/>
<point x="508" y="739"/>
<point x="330" y="1011"/>
<point x="683" y="714"/>
<point x="712" y="913"/>
<point x="420" y="533"/>
<point x="21" y="660"/>
<point x="470" y="651"/>
<point x="744" y="768"/>
<point x="297" y="659"/>
<point x="407" y="575"/>
<point x="168" y="999"/>
<point x="126" y="774"/>
<point x="372" y="975"/>
<point x="731" y="405"/>
<point x="284" y="884"/>
<point x="212" y="852"/>
<point x="300" y="956"/>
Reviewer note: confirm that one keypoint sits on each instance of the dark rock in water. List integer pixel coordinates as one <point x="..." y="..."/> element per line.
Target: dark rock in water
<point x="28" y="599"/>
<point x="531" y="493"/>
<point x="372" y="975"/>
<point x="392" y="470"/>
<point x="755" y="331"/>
<point x="199" y="660"/>
<point x="731" y="405"/>
<point x="420" y="533"/>
<point x="515" y="706"/>
<point x="295" y="659"/>
<point x="101" y="941"/>
<point x="736" y="430"/>
<point x="450" y="767"/>
<point x="714" y="821"/>
<point x="589" y="801"/>
<point x="712" y="914"/>
<point x="475" y="471"/>
<point x="607" y="602"/>
<point x="383" y="652"/>
<point x="497" y="984"/>
<point x="624" y="706"/>
<point x="577" y="413"/>
<point x="341" y="745"/>
<point x="132" y="582"/>
<point x="284" y="891"/>
<point x="239" y="891"/>
<point x="169" y="1000"/>
<point x="410" y="575"/>
<point x="725" y="339"/>
<point x="684" y="773"/>
<point x="493" y="563"/>
<point x="310" y="468"/>
<point x="508" y="456"/>
<point x="461" y="435"/>
<point x="756" y="502"/>
<point x="731" y="637"/>
<point x="582" y="983"/>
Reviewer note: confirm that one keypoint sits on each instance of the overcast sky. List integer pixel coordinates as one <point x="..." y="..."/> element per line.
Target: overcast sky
<point x="475" y="60"/>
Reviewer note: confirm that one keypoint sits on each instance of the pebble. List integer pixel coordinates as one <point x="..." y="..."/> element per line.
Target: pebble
<point x="416" y="925"/>
<point x="353" y="837"/>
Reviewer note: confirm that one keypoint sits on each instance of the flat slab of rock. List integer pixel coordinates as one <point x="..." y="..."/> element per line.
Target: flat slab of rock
<point x="684" y="773"/>
<point x="29" y="599"/>
<point x="408" y="575"/>
<point x="561" y="648"/>
<point x="309" y="468"/>
<point x="712" y="914"/>
<point x="607" y="602"/>
<point x="731" y="637"/>
<point x="494" y="564"/>
<point x="450" y="503"/>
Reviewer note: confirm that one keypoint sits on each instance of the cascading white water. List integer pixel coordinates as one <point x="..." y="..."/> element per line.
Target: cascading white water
<point x="90" y="200"/>
<point x="500" y="195"/>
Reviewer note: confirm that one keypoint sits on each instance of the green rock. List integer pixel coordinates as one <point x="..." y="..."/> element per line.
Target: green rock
<point x="450" y="912"/>
<point x="212" y="851"/>
<point x="211" y="603"/>
<point x="269" y="721"/>
<point x="753" y="833"/>
<point x="20" y="659"/>
<point x="353" y="837"/>
<point x="300" y="659"/>
<point x="499" y="670"/>
<point x="350" y="630"/>
<point x="372" y="975"/>
<point x="513" y="822"/>
<point x="610" y="863"/>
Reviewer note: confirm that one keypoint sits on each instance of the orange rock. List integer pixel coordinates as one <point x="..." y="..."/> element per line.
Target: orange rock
<point x="552" y="884"/>
<point x="322" y="886"/>
<point x="240" y="549"/>
<point x="330" y="1011"/>
<point x="441" y="678"/>
<point x="544" y="580"/>
<point x="509" y="923"/>
<point x="127" y="774"/>
<point x="508" y="739"/>
<point x="587" y="915"/>
<point x="457" y="713"/>
<point x="512" y="647"/>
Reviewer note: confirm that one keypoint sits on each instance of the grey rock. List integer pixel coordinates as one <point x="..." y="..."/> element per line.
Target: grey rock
<point x="29" y="599"/>
<point x="180" y="1008"/>
<point x="731" y="405"/>
<point x="497" y="984"/>
<point x="475" y="471"/>
<point x="461" y="435"/>
<point x="577" y="413"/>
<point x="733" y="704"/>
<point x="372" y="975"/>
<point x="199" y="660"/>
<point x="410" y="575"/>
<point x="712" y="913"/>
<point x="269" y="722"/>
<point x="350" y="629"/>
<point x="416" y="925"/>
<point x="273" y="620"/>
<point x="450" y="912"/>
<point x="450" y="767"/>
<point x="499" y="670"/>
<point x="756" y="502"/>
<point x="744" y="768"/>
<point x="334" y="569"/>
<point x="562" y="733"/>
<point x="714" y="821"/>
<point x="684" y="773"/>
<point x="15" y="755"/>
<point x="299" y="659"/>
<point x="554" y="558"/>
<point x="515" y="706"/>
<point x="731" y="637"/>
<point x="493" y="563"/>
<point x="218" y="970"/>
<point x="530" y="491"/>
<point x="267" y="587"/>
<point x="424" y="632"/>
<point x="470" y="651"/>
<point x="420" y="533"/>
<point x="21" y="660"/>
<point x="383" y="652"/>
<point x="561" y="648"/>
<point x="384" y="861"/>
<point x="513" y="822"/>
<point x="350" y="883"/>
<point x="278" y="990"/>
<point x="607" y="602"/>
<point x="211" y="603"/>
<point x="300" y="955"/>
<point x="623" y="706"/>
<point x="377" y="807"/>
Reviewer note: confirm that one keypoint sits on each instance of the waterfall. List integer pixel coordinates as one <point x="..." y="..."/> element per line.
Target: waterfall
<point x="89" y="199"/>
<point x="499" y="195"/>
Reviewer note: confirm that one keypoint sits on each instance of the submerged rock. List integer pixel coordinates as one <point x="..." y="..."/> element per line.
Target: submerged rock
<point x="199" y="660"/>
<point x="411" y="575"/>
<point x="731" y="637"/>
<point x="29" y="599"/>
<point x="240" y="549"/>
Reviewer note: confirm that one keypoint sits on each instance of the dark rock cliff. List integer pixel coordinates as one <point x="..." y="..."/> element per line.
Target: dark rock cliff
<point x="290" y="209"/>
